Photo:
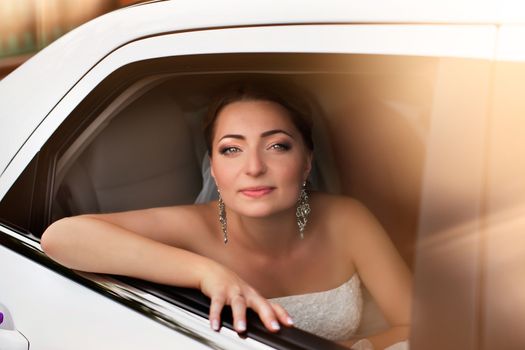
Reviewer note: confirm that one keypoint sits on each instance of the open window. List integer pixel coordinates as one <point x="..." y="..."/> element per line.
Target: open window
<point x="135" y="142"/>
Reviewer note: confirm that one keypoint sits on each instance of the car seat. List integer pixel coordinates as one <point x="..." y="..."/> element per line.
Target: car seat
<point x="143" y="158"/>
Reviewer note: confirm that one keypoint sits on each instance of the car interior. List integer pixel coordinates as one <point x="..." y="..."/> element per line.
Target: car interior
<point x="370" y="123"/>
<point x="404" y="135"/>
<point x="135" y="141"/>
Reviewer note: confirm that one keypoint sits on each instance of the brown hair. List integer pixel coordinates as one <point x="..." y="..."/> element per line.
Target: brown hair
<point x="297" y="109"/>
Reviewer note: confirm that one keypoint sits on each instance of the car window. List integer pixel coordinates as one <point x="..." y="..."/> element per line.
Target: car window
<point x="135" y="141"/>
<point x="382" y="134"/>
<point x="372" y="115"/>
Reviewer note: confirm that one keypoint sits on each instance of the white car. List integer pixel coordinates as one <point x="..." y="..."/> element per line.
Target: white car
<point x="419" y="113"/>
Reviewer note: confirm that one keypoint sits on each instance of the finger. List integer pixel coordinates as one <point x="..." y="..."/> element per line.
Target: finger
<point x="283" y="316"/>
<point x="266" y="313"/>
<point x="217" y="303"/>
<point x="238" y="305"/>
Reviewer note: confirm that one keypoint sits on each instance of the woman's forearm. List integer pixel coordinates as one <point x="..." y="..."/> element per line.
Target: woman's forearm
<point x="386" y="338"/>
<point x="88" y="244"/>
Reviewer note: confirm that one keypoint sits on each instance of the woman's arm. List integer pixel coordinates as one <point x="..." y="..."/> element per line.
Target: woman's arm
<point x="384" y="273"/>
<point x="87" y="243"/>
<point x="93" y="244"/>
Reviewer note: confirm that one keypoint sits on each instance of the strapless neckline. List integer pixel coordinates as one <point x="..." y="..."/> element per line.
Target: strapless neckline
<point x="354" y="275"/>
<point x="334" y="314"/>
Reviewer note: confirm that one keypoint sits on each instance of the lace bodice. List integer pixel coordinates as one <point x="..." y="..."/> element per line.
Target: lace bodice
<point x="333" y="314"/>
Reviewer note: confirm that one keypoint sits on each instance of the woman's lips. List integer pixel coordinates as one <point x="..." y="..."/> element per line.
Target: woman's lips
<point x="256" y="192"/>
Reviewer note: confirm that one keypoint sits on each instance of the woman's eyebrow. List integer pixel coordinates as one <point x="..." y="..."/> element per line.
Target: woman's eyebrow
<point x="233" y="136"/>
<point x="264" y="134"/>
<point x="275" y="131"/>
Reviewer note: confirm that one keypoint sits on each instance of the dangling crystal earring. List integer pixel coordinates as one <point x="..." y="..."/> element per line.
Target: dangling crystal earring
<point x="303" y="210"/>
<point x="222" y="218"/>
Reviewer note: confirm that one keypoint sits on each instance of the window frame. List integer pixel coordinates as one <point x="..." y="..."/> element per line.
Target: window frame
<point x="78" y="104"/>
<point x="99" y="99"/>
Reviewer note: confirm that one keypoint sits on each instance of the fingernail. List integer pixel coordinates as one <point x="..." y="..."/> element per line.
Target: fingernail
<point x="215" y="325"/>
<point x="289" y="320"/>
<point x="275" y="325"/>
<point x="241" y="326"/>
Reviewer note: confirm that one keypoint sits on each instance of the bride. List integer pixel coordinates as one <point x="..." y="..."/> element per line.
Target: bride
<point x="294" y="256"/>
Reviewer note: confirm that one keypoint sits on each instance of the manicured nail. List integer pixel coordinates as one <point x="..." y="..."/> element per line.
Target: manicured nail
<point x="241" y="326"/>
<point x="215" y="325"/>
<point x="289" y="320"/>
<point x="275" y="325"/>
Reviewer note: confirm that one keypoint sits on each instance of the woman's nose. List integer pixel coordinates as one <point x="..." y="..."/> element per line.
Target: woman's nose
<point x="255" y="164"/>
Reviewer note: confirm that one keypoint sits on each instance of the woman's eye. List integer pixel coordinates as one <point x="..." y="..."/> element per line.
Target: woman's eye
<point x="229" y="150"/>
<point x="280" y="146"/>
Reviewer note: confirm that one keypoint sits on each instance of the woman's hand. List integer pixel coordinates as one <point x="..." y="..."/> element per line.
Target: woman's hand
<point x="224" y="287"/>
<point x="75" y="243"/>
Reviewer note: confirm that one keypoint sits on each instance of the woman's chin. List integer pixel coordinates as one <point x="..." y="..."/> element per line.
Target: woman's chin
<point x="264" y="211"/>
<point x="256" y="213"/>
<point x="260" y="208"/>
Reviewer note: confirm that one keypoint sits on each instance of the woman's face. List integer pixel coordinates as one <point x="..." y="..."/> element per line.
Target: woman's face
<point x="259" y="159"/>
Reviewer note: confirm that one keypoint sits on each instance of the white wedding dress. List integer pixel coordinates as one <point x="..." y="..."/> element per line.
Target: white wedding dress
<point x="333" y="314"/>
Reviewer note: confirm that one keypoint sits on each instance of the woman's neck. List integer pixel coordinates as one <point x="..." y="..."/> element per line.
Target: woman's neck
<point x="273" y="236"/>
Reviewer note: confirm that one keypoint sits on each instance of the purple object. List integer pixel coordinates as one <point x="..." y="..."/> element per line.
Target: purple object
<point x="1" y="318"/>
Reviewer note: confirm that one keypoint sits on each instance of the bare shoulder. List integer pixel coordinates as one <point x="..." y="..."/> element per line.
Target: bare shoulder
<point x="341" y="209"/>
<point x="358" y="235"/>
<point x="346" y="218"/>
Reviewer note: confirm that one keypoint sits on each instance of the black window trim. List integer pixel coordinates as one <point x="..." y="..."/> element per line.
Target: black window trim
<point x="129" y="291"/>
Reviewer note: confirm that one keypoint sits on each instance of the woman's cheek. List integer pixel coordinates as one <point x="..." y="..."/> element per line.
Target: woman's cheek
<point x="293" y="172"/>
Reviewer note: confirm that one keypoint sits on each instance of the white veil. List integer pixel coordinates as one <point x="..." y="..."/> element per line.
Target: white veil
<point x="208" y="192"/>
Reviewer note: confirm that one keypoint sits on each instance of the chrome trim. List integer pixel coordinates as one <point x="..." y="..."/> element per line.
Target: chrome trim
<point x="28" y="240"/>
<point x="178" y="319"/>
<point x="151" y="306"/>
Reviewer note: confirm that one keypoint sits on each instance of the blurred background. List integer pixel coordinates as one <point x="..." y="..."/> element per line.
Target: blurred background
<point x="26" y="26"/>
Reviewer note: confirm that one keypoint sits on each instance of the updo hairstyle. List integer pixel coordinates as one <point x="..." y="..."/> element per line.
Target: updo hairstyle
<point x="298" y="110"/>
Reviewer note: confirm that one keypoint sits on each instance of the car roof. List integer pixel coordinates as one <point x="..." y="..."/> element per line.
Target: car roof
<point x="49" y="75"/>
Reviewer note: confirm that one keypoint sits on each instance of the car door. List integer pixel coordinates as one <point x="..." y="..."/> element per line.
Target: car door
<point x="38" y="172"/>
